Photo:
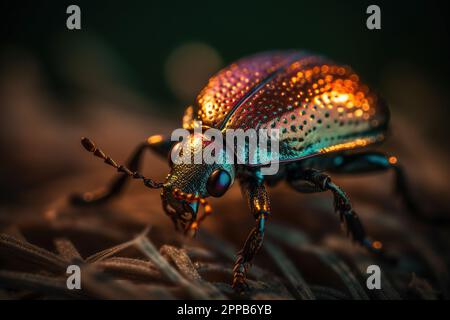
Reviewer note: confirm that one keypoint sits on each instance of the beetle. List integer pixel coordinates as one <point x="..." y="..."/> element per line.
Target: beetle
<point x="326" y="116"/>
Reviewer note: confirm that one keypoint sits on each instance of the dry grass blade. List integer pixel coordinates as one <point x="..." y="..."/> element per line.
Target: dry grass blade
<point x="199" y="253"/>
<point x="100" y="286"/>
<point x="149" y="250"/>
<point x="109" y="252"/>
<point x="14" y="232"/>
<point x="186" y="267"/>
<point x="341" y="269"/>
<point x="32" y="254"/>
<point x="130" y="268"/>
<point x="36" y="283"/>
<point x="182" y="261"/>
<point x="293" y="276"/>
<point x="67" y="250"/>
<point x="298" y="241"/>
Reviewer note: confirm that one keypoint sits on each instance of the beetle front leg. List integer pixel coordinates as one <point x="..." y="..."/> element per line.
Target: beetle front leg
<point x="259" y="204"/>
<point x="343" y="207"/>
<point x="155" y="143"/>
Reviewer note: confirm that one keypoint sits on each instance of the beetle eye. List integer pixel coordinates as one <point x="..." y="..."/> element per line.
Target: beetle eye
<point x="218" y="183"/>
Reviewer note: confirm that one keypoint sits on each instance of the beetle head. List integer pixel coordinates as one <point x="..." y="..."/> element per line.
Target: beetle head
<point x="189" y="184"/>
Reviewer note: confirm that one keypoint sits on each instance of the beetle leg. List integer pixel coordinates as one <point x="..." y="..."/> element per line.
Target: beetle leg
<point x="343" y="207"/>
<point x="155" y="143"/>
<point x="259" y="203"/>
<point x="374" y="161"/>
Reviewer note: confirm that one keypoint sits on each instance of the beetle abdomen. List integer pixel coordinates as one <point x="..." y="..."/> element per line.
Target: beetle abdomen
<point x="317" y="105"/>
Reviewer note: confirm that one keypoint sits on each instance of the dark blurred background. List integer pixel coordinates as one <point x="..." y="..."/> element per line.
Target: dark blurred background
<point x="139" y="60"/>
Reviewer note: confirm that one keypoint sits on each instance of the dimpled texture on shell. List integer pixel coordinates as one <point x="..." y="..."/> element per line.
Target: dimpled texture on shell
<point x="318" y="105"/>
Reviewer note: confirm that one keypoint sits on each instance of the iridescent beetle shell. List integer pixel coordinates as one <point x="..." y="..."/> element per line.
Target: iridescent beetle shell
<point x="318" y="105"/>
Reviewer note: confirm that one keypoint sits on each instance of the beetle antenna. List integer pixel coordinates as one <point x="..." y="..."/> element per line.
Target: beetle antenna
<point x="90" y="146"/>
